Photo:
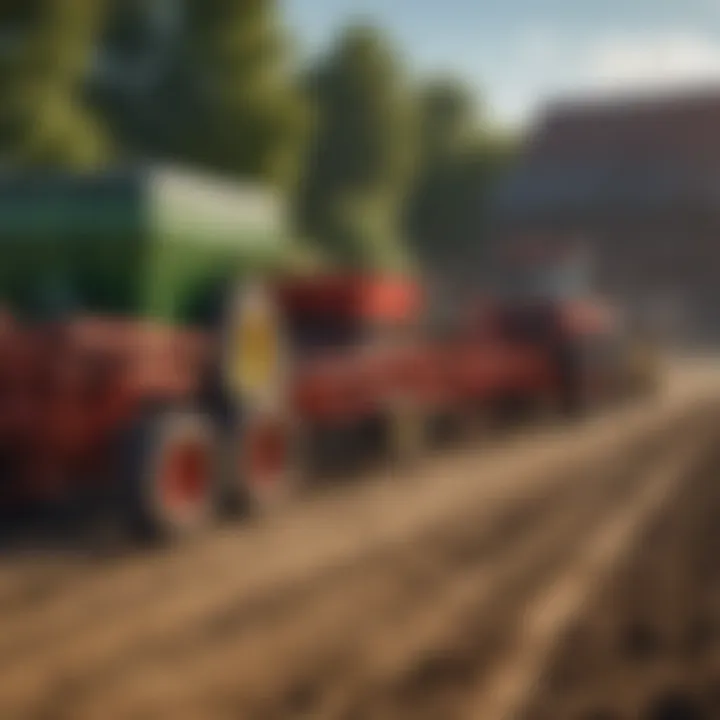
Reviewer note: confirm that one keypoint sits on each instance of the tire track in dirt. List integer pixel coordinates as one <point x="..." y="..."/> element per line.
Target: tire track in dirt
<point x="101" y="617"/>
<point x="429" y="671"/>
<point x="462" y="549"/>
<point x="318" y="635"/>
<point x="562" y="603"/>
<point x="648" y="645"/>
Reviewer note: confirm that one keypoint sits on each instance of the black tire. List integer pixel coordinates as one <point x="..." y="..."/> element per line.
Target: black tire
<point x="168" y="479"/>
<point x="264" y="463"/>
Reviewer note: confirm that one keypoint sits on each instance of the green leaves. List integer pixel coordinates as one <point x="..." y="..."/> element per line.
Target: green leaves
<point x="43" y="118"/>
<point x="379" y="171"/>
<point x="460" y="161"/>
<point x="254" y="119"/>
<point x="357" y="167"/>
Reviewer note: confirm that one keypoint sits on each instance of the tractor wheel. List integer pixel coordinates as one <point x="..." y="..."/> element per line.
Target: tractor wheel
<point x="264" y="463"/>
<point x="168" y="480"/>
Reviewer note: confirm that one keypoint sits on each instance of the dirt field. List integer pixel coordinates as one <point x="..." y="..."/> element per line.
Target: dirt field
<point x="648" y="645"/>
<point x="563" y="574"/>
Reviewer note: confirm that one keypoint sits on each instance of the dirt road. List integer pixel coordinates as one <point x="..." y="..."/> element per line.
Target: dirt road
<point x="447" y="592"/>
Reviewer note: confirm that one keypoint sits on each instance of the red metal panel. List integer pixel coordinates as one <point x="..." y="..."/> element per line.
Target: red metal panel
<point x="65" y="391"/>
<point x="353" y="297"/>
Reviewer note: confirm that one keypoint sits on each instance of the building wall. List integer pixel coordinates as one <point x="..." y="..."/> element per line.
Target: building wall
<point x="655" y="265"/>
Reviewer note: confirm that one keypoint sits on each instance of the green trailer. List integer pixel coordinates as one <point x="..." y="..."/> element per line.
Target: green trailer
<point x="147" y="243"/>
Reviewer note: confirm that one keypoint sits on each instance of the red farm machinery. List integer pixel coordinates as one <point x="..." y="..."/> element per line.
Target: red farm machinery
<point x="144" y="366"/>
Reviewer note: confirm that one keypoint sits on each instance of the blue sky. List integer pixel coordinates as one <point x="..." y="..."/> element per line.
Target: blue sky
<point x="519" y="52"/>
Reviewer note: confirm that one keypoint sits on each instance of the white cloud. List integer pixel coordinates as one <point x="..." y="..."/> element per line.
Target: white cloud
<point x="673" y="59"/>
<point x="545" y="63"/>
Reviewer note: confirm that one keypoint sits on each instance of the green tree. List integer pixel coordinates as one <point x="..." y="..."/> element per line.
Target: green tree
<point x="254" y="116"/>
<point x="44" y="55"/>
<point x="461" y="159"/>
<point x="145" y="83"/>
<point x="360" y="158"/>
<point x="448" y="116"/>
<point x="206" y="82"/>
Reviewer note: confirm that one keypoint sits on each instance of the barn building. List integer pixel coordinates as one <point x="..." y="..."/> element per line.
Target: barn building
<point x="639" y="180"/>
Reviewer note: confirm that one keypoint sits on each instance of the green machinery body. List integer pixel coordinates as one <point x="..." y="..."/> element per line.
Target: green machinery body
<point x="151" y="243"/>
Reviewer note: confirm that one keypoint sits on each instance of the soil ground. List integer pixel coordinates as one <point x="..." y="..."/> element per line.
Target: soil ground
<point x="563" y="573"/>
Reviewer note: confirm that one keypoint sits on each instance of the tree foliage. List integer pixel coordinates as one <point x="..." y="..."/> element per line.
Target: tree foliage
<point x="447" y="116"/>
<point x="214" y="90"/>
<point x="461" y="160"/>
<point x="254" y="116"/>
<point x="359" y="160"/>
<point x="46" y="49"/>
<point x="380" y="173"/>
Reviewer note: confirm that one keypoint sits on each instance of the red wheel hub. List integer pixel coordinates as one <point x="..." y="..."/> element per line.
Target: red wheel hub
<point x="185" y="475"/>
<point x="266" y="452"/>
